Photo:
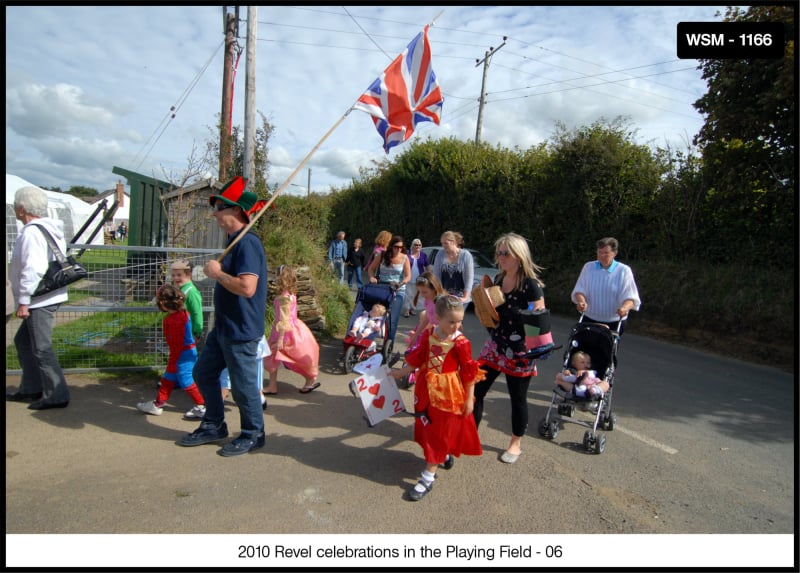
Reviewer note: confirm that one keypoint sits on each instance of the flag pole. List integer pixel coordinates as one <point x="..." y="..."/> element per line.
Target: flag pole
<point x="285" y="184"/>
<point x="297" y="169"/>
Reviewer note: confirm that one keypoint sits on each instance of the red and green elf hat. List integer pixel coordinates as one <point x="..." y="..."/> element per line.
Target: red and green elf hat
<point x="234" y="194"/>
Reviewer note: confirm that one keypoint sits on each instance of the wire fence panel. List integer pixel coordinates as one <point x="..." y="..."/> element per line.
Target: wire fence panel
<point x="111" y="321"/>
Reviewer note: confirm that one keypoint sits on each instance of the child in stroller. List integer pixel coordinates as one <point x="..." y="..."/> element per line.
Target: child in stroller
<point x="369" y="324"/>
<point x="358" y="348"/>
<point x="579" y="379"/>
<point x="599" y="343"/>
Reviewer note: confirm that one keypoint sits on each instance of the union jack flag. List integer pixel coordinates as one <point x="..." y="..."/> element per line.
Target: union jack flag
<point x="406" y="94"/>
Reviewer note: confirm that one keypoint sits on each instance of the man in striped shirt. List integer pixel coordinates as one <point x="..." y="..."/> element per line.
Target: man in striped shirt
<point x="606" y="290"/>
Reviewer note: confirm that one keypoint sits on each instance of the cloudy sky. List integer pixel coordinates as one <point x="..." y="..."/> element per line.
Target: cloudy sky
<point x="90" y="88"/>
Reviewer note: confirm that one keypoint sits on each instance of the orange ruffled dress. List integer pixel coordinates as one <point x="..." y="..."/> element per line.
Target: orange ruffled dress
<point x="300" y="351"/>
<point x="446" y="369"/>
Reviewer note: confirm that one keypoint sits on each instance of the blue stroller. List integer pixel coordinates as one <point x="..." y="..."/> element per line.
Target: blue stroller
<point x="601" y="344"/>
<point x="358" y="350"/>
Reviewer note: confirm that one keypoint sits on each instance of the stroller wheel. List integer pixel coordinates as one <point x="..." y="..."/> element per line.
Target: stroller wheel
<point x="553" y="429"/>
<point x="611" y="421"/>
<point x="543" y="428"/>
<point x="600" y="443"/>
<point x="587" y="440"/>
<point x="350" y="359"/>
<point x="388" y="345"/>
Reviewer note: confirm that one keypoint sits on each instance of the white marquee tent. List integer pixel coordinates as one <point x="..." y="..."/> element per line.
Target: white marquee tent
<point x="70" y="211"/>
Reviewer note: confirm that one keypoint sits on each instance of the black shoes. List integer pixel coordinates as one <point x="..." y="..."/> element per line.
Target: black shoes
<point x="42" y="405"/>
<point x="449" y="462"/>
<point x="414" y="495"/>
<point x="23" y="396"/>
<point x="242" y="445"/>
<point x="205" y="434"/>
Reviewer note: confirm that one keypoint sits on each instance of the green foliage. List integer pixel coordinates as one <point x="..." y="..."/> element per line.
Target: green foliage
<point x="599" y="183"/>
<point x="260" y="154"/>
<point x="81" y="343"/>
<point x="83" y="192"/>
<point x="583" y="184"/>
<point x="748" y="143"/>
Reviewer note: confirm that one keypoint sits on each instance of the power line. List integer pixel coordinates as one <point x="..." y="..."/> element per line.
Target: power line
<point x="173" y="110"/>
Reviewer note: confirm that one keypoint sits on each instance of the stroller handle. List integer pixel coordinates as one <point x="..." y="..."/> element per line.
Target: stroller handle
<point x="619" y="322"/>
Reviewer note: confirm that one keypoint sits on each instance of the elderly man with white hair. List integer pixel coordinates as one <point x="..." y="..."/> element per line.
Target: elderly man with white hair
<point x="43" y="381"/>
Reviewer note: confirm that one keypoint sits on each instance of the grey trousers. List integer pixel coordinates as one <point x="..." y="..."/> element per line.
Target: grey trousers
<point x="41" y="371"/>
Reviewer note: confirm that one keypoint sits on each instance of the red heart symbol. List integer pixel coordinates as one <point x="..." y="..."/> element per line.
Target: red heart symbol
<point x="379" y="402"/>
<point x="374" y="389"/>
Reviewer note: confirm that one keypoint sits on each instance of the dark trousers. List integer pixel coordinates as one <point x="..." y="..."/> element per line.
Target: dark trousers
<point x="41" y="371"/>
<point x="517" y="392"/>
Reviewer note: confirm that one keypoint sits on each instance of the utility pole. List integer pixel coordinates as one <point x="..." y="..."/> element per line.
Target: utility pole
<point x="250" y="95"/>
<point x="485" y="61"/>
<point x="230" y="22"/>
<point x="308" y="193"/>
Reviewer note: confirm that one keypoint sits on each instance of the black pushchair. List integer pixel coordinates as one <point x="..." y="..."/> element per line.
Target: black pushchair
<point x="601" y="344"/>
<point x="358" y="350"/>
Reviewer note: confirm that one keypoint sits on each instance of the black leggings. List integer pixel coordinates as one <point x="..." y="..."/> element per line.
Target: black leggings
<point x="517" y="391"/>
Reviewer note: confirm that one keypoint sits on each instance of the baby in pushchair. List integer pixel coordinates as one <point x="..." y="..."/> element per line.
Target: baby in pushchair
<point x="580" y="379"/>
<point x="592" y="352"/>
<point x="369" y="324"/>
<point x="371" y="320"/>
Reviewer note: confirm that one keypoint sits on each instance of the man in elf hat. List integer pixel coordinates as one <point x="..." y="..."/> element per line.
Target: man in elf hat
<point x="240" y="299"/>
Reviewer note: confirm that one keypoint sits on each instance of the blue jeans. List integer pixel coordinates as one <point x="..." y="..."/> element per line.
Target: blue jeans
<point x="396" y="310"/>
<point x="354" y="271"/>
<point x="338" y="268"/>
<point x="41" y="371"/>
<point x="240" y="359"/>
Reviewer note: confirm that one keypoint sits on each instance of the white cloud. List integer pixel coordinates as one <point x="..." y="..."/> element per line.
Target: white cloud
<point x="91" y="87"/>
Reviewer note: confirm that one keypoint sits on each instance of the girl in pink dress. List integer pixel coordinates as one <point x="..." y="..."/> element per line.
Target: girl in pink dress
<point x="444" y="394"/>
<point x="290" y="340"/>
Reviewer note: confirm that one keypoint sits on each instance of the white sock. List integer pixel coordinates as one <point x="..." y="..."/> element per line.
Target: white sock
<point x="427" y="479"/>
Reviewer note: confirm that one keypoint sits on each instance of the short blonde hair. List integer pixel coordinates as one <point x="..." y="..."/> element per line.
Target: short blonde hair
<point x="383" y="239"/>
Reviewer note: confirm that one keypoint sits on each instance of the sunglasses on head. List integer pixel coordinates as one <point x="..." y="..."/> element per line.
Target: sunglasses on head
<point x="422" y="281"/>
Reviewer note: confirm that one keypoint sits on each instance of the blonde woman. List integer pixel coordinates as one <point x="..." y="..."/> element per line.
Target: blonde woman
<point x="503" y="352"/>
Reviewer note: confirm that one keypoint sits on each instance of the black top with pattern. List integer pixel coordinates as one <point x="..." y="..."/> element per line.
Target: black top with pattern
<point x="510" y="332"/>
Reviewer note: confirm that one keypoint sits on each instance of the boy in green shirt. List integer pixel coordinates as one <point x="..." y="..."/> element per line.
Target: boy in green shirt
<point x="180" y="273"/>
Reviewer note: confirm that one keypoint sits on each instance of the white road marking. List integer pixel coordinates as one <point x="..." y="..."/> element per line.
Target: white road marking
<point x="646" y="440"/>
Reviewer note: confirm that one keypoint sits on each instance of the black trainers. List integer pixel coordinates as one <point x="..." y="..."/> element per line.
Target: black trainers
<point x="205" y="434"/>
<point x="242" y="445"/>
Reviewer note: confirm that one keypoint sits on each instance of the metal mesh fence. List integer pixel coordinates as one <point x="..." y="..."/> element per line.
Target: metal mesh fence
<point x="111" y="321"/>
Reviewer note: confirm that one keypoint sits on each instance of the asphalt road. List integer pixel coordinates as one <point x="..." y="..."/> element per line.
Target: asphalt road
<point x="703" y="444"/>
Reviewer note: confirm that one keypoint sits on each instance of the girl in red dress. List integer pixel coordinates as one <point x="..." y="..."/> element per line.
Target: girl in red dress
<point x="443" y="394"/>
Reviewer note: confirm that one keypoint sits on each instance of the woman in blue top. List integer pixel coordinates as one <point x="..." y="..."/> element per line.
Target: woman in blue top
<point x="393" y="268"/>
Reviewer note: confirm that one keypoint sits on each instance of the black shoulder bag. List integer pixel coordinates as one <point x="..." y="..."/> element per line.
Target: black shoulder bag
<point x="61" y="272"/>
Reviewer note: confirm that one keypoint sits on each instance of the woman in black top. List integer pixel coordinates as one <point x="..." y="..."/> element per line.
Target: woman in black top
<point x="355" y="260"/>
<point x="504" y="351"/>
